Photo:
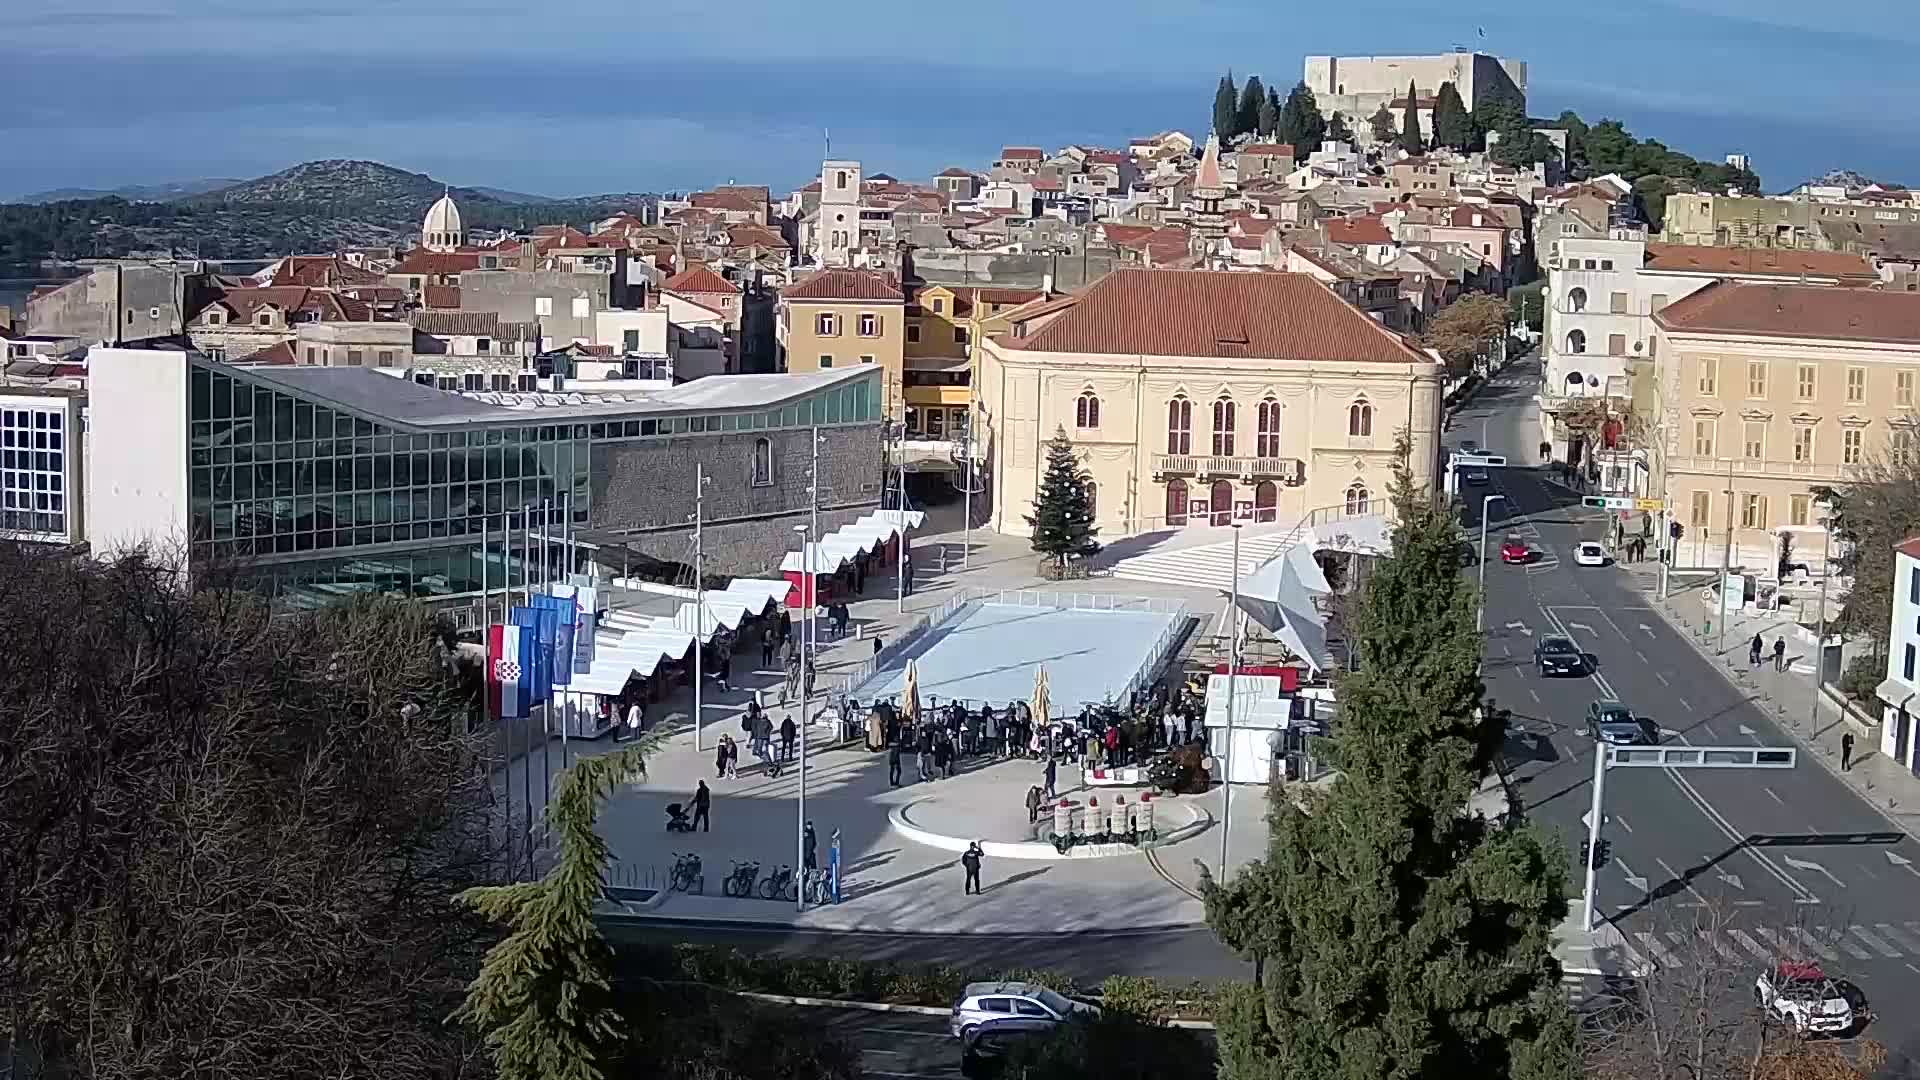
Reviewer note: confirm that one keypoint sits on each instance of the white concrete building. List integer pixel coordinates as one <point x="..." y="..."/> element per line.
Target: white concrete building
<point x="1899" y="692"/>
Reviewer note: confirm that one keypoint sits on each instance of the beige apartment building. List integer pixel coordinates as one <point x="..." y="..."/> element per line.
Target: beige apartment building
<point x="843" y="318"/>
<point x="1768" y="391"/>
<point x="1197" y="398"/>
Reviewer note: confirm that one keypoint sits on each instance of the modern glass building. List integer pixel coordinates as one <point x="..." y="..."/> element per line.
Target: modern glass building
<point x="321" y="482"/>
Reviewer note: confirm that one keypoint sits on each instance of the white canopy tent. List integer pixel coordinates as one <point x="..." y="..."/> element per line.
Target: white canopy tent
<point x="1281" y="595"/>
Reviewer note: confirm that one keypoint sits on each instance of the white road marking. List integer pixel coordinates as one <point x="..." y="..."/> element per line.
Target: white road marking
<point x="1622" y="822"/>
<point x="1684" y="705"/>
<point x="1661" y="954"/>
<point x="1533" y="695"/>
<point x="1675" y="875"/>
<point x="1807" y="937"/>
<point x="1751" y="945"/>
<point x="1782" y="950"/>
<point x="1635" y="962"/>
<point x="1878" y="945"/>
<point x="1838" y="938"/>
<point x="1709" y="733"/>
<point x="1714" y="942"/>
<point x="1776" y="798"/>
<point x="1900" y="937"/>
<point x="1662" y="678"/>
<point x="1641" y="655"/>
<point x="1813" y="867"/>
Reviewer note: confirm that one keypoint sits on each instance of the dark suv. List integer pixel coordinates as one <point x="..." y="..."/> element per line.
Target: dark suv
<point x="1612" y="722"/>
<point x="1559" y="656"/>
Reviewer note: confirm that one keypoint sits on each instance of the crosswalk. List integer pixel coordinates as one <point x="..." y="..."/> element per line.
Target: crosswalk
<point x="1206" y="565"/>
<point x="1646" y="950"/>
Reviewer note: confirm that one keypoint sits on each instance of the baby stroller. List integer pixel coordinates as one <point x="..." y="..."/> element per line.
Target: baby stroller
<point x="677" y="820"/>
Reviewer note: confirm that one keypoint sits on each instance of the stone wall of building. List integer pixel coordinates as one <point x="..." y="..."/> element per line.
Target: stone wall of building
<point x="112" y="305"/>
<point x="957" y="267"/>
<point x="645" y="491"/>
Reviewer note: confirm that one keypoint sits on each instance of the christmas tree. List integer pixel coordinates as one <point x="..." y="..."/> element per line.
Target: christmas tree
<point x="1062" y="517"/>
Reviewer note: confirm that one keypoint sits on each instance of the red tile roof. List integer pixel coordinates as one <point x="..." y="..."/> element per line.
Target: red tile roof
<point x="280" y="353"/>
<point x="1021" y="153"/>
<point x="321" y="271"/>
<point x="746" y="234"/>
<point x="726" y="200"/>
<point x="843" y="285"/>
<point x="431" y="263"/>
<point x="1217" y="314"/>
<point x="1127" y="235"/>
<point x="1278" y="149"/>
<point x="1461" y="217"/>
<point x="1782" y="261"/>
<point x="759" y="193"/>
<point x="441" y="297"/>
<point x="697" y="278"/>
<point x="1107" y="157"/>
<point x="322" y="305"/>
<point x="956" y="172"/>
<point x="1796" y="311"/>
<point x="1358" y="230"/>
<point x="1910" y="547"/>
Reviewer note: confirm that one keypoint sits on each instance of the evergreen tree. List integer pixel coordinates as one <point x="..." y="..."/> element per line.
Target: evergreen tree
<point x="1274" y="102"/>
<point x="1452" y="127"/>
<point x="1301" y="125"/>
<point x="1062" y="517"/>
<point x="1410" y="138"/>
<point x="1392" y="933"/>
<point x="1382" y="123"/>
<point x="1247" y="116"/>
<point x="1337" y="129"/>
<point x="1269" y="115"/>
<point x="1226" y="108"/>
<point x="544" y="998"/>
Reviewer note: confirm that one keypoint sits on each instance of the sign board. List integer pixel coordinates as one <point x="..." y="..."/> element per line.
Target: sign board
<point x="1653" y="506"/>
<point x="1493" y="460"/>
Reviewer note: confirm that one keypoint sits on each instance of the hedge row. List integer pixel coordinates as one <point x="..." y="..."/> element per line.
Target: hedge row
<point x="936" y="985"/>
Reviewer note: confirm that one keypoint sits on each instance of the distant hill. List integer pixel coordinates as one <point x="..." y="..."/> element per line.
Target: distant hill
<point x="179" y="189"/>
<point x="312" y="207"/>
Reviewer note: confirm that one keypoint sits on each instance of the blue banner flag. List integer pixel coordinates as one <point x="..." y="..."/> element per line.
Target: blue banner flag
<point x="564" y="616"/>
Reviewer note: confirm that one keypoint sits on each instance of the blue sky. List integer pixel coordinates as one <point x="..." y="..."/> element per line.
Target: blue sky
<point x="578" y="96"/>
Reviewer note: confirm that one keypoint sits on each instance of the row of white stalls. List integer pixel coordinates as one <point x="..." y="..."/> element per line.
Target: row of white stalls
<point x="872" y="538"/>
<point x="658" y="628"/>
<point x="1271" y="715"/>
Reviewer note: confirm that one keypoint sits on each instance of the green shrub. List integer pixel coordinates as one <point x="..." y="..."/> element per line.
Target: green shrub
<point x="1863" y="674"/>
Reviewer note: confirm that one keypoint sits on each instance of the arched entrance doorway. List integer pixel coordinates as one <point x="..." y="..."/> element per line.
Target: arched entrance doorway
<point x="1176" y="502"/>
<point x="1221" y="501"/>
<point x="1266" y="501"/>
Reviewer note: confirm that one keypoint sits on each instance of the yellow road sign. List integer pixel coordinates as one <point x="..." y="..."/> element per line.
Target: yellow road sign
<point x="1649" y="504"/>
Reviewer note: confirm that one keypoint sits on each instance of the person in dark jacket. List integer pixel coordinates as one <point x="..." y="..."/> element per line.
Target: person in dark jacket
<point x="720" y="759"/>
<point x="809" y="860"/>
<point x="893" y="763"/>
<point x="924" y="746"/>
<point x="702" y="807"/>
<point x="971" y="860"/>
<point x="788" y="734"/>
<point x="1052" y="775"/>
<point x="1033" y="804"/>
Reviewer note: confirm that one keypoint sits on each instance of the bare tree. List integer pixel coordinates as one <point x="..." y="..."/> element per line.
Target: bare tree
<point x="1695" y="1017"/>
<point x="231" y="838"/>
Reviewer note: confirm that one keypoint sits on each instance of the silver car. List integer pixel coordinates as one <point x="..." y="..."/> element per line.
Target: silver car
<point x="984" y="1001"/>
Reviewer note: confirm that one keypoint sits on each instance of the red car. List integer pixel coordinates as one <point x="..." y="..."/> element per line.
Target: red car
<point x="1515" y="550"/>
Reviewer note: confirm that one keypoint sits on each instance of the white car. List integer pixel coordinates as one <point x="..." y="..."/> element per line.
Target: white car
<point x="1588" y="553"/>
<point x="984" y="1002"/>
<point x="1803" y="996"/>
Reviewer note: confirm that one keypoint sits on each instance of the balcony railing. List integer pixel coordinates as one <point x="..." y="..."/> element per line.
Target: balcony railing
<point x="1810" y="470"/>
<point x="1287" y="470"/>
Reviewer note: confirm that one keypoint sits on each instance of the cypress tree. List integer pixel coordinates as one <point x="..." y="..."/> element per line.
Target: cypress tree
<point x="1337" y="129"/>
<point x="1410" y="138"/>
<point x="1247" y="116"/>
<point x="1062" y="518"/>
<point x="1382" y="123"/>
<point x="1301" y="124"/>
<point x="1393" y="934"/>
<point x="1269" y="118"/>
<point x="544" y="998"/>
<point x="1226" y="108"/>
<point x="1452" y="126"/>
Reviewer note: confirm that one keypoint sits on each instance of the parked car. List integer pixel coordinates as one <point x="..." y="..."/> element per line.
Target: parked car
<point x="1514" y="551"/>
<point x="1611" y="722"/>
<point x="984" y="1049"/>
<point x="1559" y="656"/>
<point x="1801" y="995"/>
<point x="1589" y="553"/>
<point x="984" y="1001"/>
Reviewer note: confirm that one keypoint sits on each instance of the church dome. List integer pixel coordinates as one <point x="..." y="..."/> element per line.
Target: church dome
<point x="442" y="230"/>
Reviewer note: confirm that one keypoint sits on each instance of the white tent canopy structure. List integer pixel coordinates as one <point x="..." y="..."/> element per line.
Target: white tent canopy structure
<point x="869" y="534"/>
<point x="1281" y="595"/>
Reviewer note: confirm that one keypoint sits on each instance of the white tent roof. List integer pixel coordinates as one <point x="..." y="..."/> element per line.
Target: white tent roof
<point x="867" y="534"/>
<point x="1280" y="594"/>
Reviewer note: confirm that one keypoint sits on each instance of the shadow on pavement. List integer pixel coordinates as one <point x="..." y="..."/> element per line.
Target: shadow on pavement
<point x="1682" y="883"/>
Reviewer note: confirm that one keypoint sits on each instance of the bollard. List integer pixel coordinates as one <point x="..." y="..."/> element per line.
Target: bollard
<point x="1085" y="819"/>
<point x="1117" y="821"/>
<point x="1062" y="826"/>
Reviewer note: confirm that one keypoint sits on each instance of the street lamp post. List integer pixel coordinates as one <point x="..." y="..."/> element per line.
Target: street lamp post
<point x="1480" y="613"/>
<point x="1726" y="563"/>
<point x="809" y="595"/>
<point x="1820" y="641"/>
<point x="1233" y="679"/>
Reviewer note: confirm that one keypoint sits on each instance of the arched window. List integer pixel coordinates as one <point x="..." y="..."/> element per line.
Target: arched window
<point x="1223" y="428"/>
<point x="1576" y="341"/>
<point x="1086" y="410"/>
<point x="1093" y="501"/>
<point x="1577" y="299"/>
<point x="1360" y="419"/>
<point x="1266" y="501"/>
<point x="1176" y="502"/>
<point x="1357" y="498"/>
<point x="1221" y="503"/>
<point x="1179" y="426"/>
<point x="763" y="463"/>
<point x="1267" y="418"/>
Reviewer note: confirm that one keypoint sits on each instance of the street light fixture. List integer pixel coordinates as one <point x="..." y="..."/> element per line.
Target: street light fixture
<point x="1480" y="613"/>
<point x="810" y="595"/>
<point x="1233" y="680"/>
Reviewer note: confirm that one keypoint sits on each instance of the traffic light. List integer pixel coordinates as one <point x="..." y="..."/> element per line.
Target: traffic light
<point x="1595" y="501"/>
<point x="1601" y="856"/>
<point x="1676" y="530"/>
<point x="1586" y="853"/>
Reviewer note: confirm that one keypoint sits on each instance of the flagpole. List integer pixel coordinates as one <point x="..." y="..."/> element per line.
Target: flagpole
<point x="546" y="692"/>
<point x="526" y="725"/>
<point x="566" y="545"/>
<point x="699" y="598"/>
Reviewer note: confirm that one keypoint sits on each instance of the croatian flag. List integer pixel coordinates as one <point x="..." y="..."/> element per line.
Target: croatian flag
<point x="510" y="652"/>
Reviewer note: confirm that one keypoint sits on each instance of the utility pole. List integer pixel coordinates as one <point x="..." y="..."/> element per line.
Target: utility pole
<point x="699" y="597"/>
<point x="1480" y="608"/>
<point x="1233" y="680"/>
<point x="1726" y="563"/>
<point x="810" y="638"/>
<point x="900" y="522"/>
<point x="1820" y="642"/>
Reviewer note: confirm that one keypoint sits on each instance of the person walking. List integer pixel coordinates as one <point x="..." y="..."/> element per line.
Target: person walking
<point x="1780" y="654"/>
<point x="1846" y="752"/>
<point x="876" y="648"/>
<point x="971" y="861"/>
<point x="733" y="758"/>
<point x="703" y="808"/>
<point x="1753" y="651"/>
<point x="788" y="734"/>
<point x="923" y="745"/>
<point x="893" y="763"/>
<point x="809" y="844"/>
<point x="1033" y="804"/>
<point x="766" y="646"/>
<point x="1053" y="772"/>
<point x="723" y="671"/>
<point x="720" y="758"/>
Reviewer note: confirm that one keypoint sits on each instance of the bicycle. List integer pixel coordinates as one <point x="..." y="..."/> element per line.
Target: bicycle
<point x="778" y="884"/>
<point x="739" y="882"/>
<point x="686" y="875"/>
<point x="818" y="887"/>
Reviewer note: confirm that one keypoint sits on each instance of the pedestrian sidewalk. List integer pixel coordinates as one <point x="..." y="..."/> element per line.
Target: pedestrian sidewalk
<point x="1812" y="718"/>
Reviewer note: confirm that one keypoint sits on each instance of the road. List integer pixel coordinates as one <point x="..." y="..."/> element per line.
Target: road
<point x="1796" y="861"/>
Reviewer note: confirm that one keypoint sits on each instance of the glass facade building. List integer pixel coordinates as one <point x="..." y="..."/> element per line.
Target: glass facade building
<point x="33" y="469"/>
<point x="318" y="497"/>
